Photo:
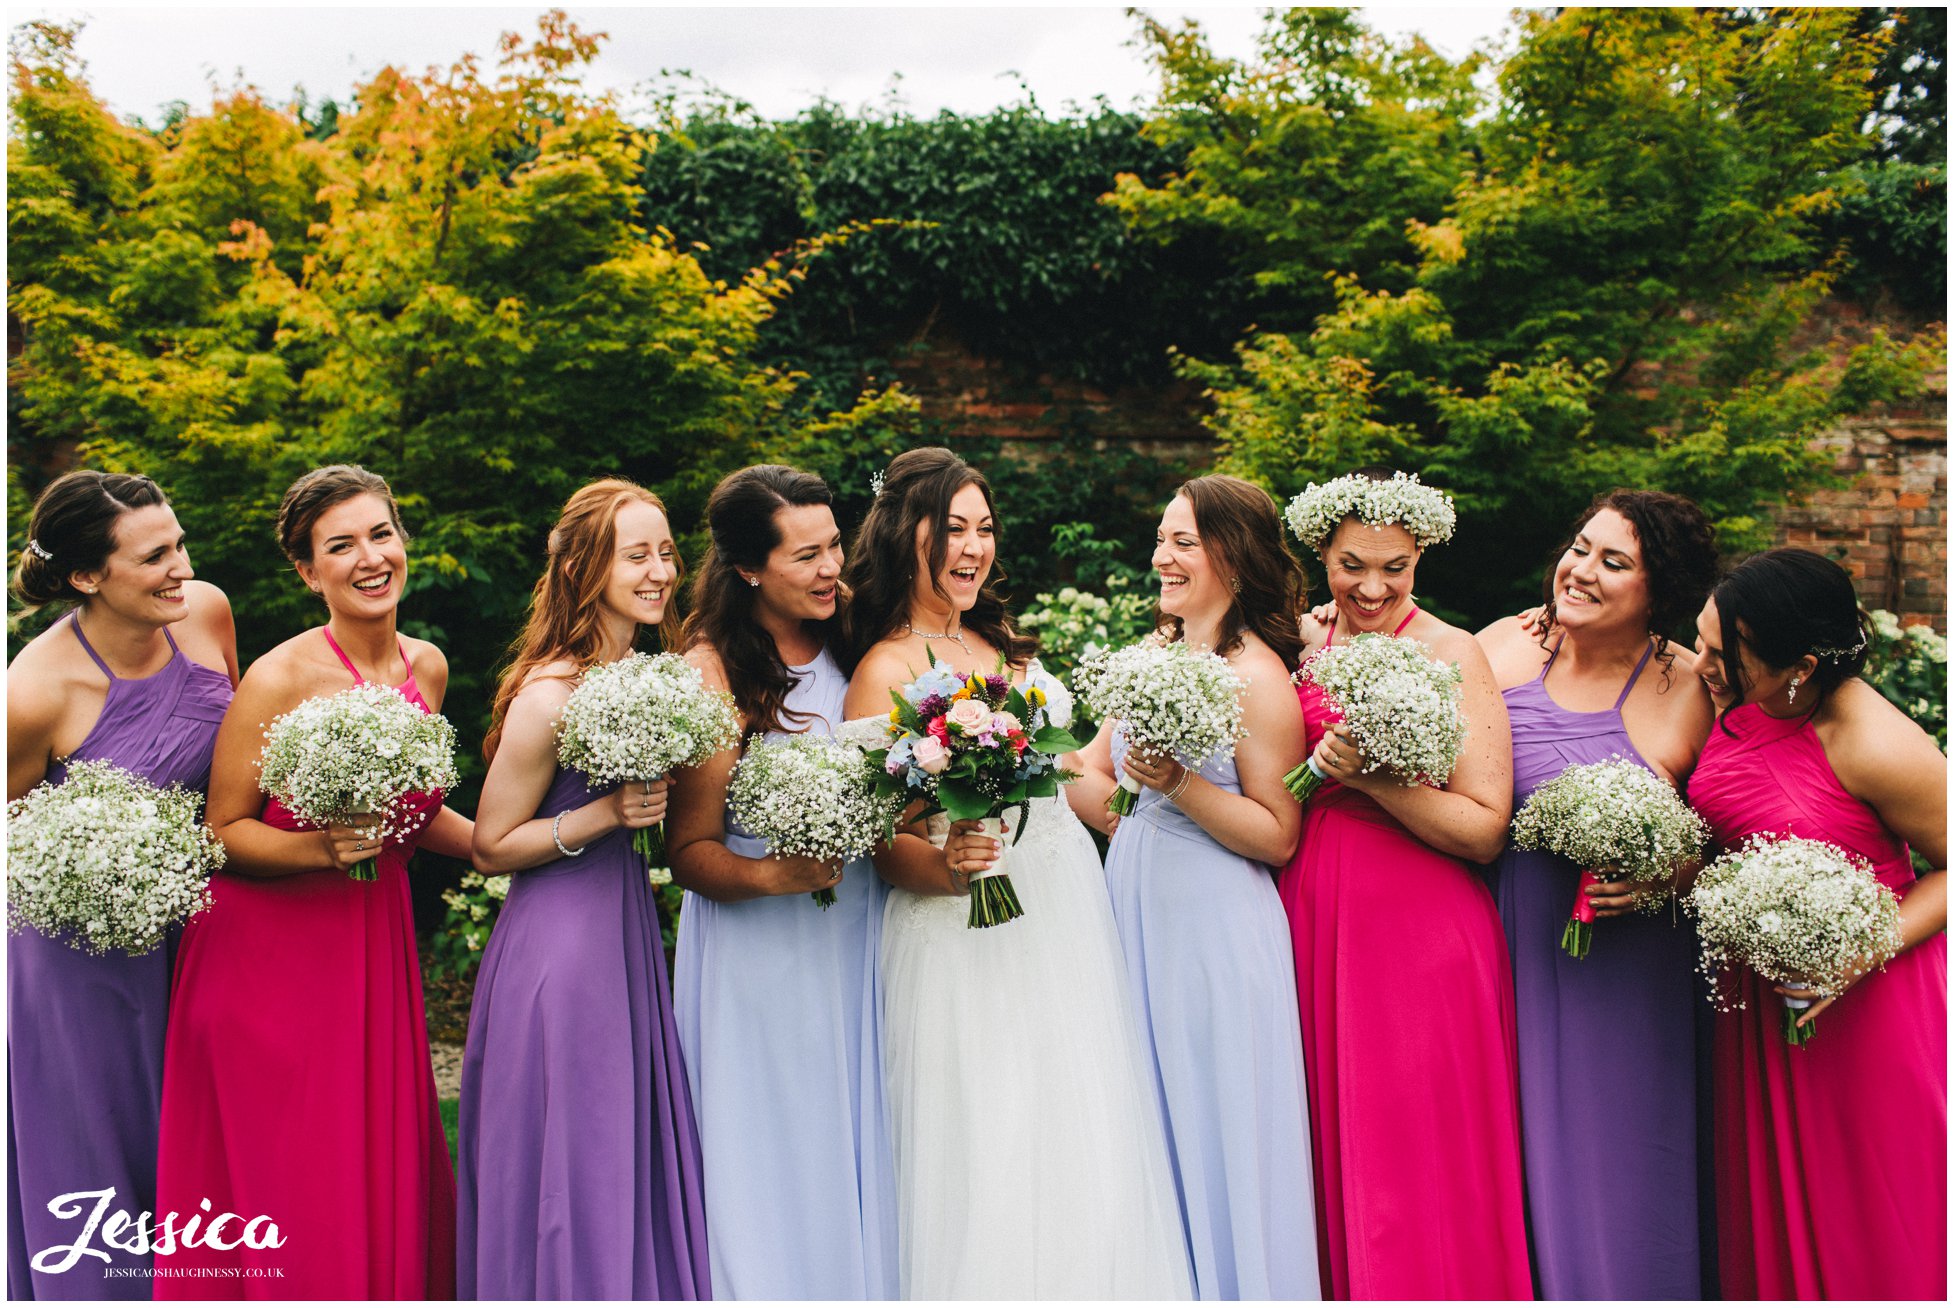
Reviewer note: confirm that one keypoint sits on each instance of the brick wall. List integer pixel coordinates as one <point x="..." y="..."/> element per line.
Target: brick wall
<point x="1889" y="527"/>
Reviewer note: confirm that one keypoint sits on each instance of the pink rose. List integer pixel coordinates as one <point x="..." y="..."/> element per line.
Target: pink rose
<point x="931" y="756"/>
<point x="970" y="716"/>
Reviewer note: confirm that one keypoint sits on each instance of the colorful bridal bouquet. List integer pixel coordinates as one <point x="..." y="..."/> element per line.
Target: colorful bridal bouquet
<point x="1399" y="703"/>
<point x="1613" y="813"/>
<point x="636" y="720"/>
<point x="356" y="758"/>
<point x="107" y="859"/>
<point x="1802" y="913"/>
<point x="972" y="747"/>
<point x="812" y="797"/>
<point x="1173" y="699"/>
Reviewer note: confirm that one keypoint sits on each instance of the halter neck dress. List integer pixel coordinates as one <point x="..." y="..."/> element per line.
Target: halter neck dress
<point x="1406" y="999"/>
<point x="85" y="1033"/>
<point x="1611" y="1203"/>
<point x="1209" y="966"/>
<point x="297" y="1083"/>
<point x="579" y="1158"/>
<point x="778" y="1010"/>
<point x="1831" y="1159"/>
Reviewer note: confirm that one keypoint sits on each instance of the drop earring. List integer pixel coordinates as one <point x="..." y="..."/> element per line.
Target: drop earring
<point x="1791" y="696"/>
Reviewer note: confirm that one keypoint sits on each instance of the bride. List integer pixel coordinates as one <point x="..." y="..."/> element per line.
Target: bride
<point x="1029" y="1153"/>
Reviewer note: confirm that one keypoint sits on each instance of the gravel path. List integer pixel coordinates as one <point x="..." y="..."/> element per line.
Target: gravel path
<point x="447" y="1069"/>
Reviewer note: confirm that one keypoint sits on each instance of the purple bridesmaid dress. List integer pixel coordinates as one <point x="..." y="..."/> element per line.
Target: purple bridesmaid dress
<point x="579" y="1173"/>
<point x="1607" y="1048"/>
<point x="85" y="1033"/>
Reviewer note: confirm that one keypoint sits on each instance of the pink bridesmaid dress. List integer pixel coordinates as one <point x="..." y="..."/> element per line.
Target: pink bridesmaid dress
<point x="297" y="1086"/>
<point x="1409" y="1042"/>
<point x="1831" y="1160"/>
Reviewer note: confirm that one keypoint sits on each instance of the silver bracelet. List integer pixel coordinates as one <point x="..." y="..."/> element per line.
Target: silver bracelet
<point x="556" y="830"/>
<point x="1187" y="775"/>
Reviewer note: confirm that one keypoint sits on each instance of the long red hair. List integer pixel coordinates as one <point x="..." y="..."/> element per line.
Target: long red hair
<point x="566" y="609"/>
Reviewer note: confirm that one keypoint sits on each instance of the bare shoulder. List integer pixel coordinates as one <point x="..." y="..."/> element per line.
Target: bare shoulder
<point x="1516" y="656"/>
<point x="1259" y="665"/>
<point x="210" y="607"/>
<point x="705" y="659"/>
<point x="1453" y="644"/>
<point x="885" y="664"/>
<point x="427" y="658"/>
<point x="547" y="686"/>
<point x="1865" y="729"/>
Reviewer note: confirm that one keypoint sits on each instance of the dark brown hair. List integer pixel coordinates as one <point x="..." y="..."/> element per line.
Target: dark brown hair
<point x="307" y="499"/>
<point x="566" y="608"/>
<point x="74" y="522"/>
<point x="743" y="517"/>
<point x="917" y="488"/>
<point x="1240" y="531"/>
<point x="1679" y="560"/>
<point x="1784" y="604"/>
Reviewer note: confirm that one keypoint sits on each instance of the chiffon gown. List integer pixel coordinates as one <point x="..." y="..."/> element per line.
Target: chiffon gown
<point x="579" y="1160"/>
<point x="1831" y="1159"/>
<point x="1611" y="1198"/>
<point x="1406" y="999"/>
<point x="85" y="1033"/>
<point x="297" y="1085"/>
<point x="1213" y="980"/>
<point x="776" y="1002"/>
<point x="1029" y="1155"/>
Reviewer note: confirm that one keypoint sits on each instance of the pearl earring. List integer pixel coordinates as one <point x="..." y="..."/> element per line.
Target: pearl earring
<point x="752" y="581"/>
<point x="1791" y="696"/>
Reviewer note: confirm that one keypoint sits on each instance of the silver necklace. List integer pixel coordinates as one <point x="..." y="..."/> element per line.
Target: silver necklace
<point x="956" y="635"/>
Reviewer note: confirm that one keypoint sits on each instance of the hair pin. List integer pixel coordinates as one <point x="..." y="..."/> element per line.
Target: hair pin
<point x="875" y="485"/>
<point x="1838" y="652"/>
<point x="35" y="546"/>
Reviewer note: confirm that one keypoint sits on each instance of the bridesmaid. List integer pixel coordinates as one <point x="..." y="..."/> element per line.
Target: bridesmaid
<point x="1206" y="943"/>
<point x="1611" y="1201"/>
<point x="110" y="681"/>
<point x="1405" y="991"/>
<point x="296" y="1081"/>
<point x="580" y="1174"/>
<point x="1831" y="1159"/>
<point x="775" y="997"/>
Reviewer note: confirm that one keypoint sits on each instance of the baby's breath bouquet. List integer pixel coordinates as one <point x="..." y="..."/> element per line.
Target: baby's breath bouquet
<point x="1802" y="913"/>
<point x="1398" y="702"/>
<point x="1173" y="699"/>
<point x="359" y="756"/>
<point x="811" y="797"/>
<point x="1618" y="814"/>
<point x="637" y="719"/>
<point x="108" y="860"/>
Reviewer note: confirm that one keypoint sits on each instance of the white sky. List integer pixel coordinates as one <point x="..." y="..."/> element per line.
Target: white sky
<point x="965" y="58"/>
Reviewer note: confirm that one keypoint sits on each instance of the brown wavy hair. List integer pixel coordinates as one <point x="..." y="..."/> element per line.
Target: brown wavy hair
<point x="917" y="488"/>
<point x="1241" y="532"/>
<point x="307" y="499"/>
<point x="742" y="516"/>
<point x="566" y="608"/>
<point x="1679" y="559"/>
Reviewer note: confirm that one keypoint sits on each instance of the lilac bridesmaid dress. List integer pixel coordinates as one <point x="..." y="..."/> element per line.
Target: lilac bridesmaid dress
<point x="85" y="1033"/>
<point x="579" y="1173"/>
<point x="1607" y="1048"/>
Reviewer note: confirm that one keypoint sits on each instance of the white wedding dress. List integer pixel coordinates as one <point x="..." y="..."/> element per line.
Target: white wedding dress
<point x="1030" y="1158"/>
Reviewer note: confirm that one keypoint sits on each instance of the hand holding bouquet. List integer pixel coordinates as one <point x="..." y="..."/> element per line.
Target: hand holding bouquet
<point x="810" y="797"/>
<point x="1802" y="913"/>
<point x="107" y="859"/>
<point x="972" y="747"/>
<point x="1613" y="813"/>
<point x="356" y="758"/>
<point x="1174" y="700"/>
<point x="1399" y="704"/>
<point x="636" y="720"/>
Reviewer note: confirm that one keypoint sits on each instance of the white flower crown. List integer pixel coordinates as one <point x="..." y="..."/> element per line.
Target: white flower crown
<point x="1424" y="511"/>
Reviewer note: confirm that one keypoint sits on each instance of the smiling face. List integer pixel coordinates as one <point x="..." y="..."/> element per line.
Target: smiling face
<point x="1370" y="572"/>
<point x="800" y="581"/>
<point x="1191" y="585"/>
<point x="970" y="547"/>
<point x="359" y="561"/>
<point x="142" y="578"/>
<point x="644" y="564"/>
<point x="1762" y="684"/>
<point x="1600" y="580"/>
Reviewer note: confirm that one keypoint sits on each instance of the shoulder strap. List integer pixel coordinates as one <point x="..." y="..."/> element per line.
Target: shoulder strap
<point x="74" y="622"/>
<point x="327" y="632"/>
<point x="172" y="639"/>
<point x="405" y="662"/>
<point x="1641" y="663"/>
<point x="1407" y="621"/>
<point x="1552" y="654"/>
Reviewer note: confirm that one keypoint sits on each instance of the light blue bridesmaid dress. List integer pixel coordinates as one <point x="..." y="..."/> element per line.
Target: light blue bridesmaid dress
<point x="777" y="1003"/>
<point x="1213" y="977"/>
